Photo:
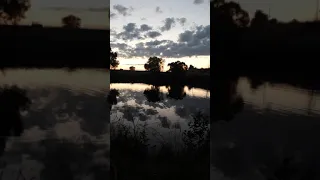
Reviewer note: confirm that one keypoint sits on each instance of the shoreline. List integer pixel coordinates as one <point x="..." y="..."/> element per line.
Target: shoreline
<point x="198" y="80"/>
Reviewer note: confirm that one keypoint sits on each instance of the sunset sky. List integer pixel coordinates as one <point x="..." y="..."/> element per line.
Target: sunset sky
<point x="170" y="29"/>
<point x="93" y="13"/>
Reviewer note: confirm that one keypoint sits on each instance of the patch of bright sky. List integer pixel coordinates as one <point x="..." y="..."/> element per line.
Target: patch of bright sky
<point x="40" y="12"/>
<point x="145" y="13"/>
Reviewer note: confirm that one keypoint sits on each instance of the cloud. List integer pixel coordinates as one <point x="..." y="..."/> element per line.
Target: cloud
<point x="156" y="42"/>
<point x="130" y="32"/>
<point x="190" y="43"/>
<point x="145" y="27"/>
<point x="143" y="19"/>
<point x="133" y="32"/>
<point x="112" y="15"/>
<point x="198" y="1"/>
<point x="158" y="10"/>
<point x="182" y="21"/>
<point x="153" y="34"/>
<point x="123" y="10"/>
<point x="168" y="24"/>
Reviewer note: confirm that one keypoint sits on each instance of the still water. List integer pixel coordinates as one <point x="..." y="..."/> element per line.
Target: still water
<point x="62" y="133"/>
<point x="272" y="133"/>
<point x="164" y="110"/>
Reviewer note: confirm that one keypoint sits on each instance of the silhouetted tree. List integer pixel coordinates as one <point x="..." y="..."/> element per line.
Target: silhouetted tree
<point x="13" y="11"/>
<point x="273" y="21"/>
<point x="132" y="68"/>
<point x="227" y="19"/>
<point x="178" y="67"/>
<point x="71" y="21"/>
<point x="176" y="92"/>
<point x="153" y="94"/>
<point x="36" y="24"/>
<point x="260" y="19"/>
<point x="231" y="13"/>
<point x="154" y="64"/>
<point x="191" y="67"/>
<point x="114" y="63"/>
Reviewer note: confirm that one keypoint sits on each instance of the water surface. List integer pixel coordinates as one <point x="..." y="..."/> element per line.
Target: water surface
<point x="165" y="110"/>
<point x="268" y="132"/>
<point x="63" y="134"/>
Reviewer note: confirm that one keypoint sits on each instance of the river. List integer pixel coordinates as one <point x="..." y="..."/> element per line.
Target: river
<point x="63" y="132"/>
<point x="165" y="110"/>
<point x="268" y="132"/>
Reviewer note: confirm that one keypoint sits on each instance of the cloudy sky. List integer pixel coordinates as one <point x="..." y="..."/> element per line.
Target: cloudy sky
<point x="93" y="13"/>
<point x="171" y="29"/>
<point x="284" y="10"/>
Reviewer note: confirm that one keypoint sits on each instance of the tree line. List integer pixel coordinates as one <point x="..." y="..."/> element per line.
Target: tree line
<point x="154" y="64"/>
<point x="250" y="43"/>
<point x="13" y="11"/>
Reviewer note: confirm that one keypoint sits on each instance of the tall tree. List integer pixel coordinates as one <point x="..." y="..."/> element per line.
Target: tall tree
<point x="114" y="63"/>
<point x="154" y="64"/>
<point x="71" y="21"/>
<point x="13" y="11"/>
<point x="178" y="67"/>
<point x="260" y="19"/>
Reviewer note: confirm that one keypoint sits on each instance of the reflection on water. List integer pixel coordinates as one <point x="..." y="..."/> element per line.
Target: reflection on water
<point x="164" y="109"/>
<point x="266" y="131"/>
<point x="54" y="124"/>
<point x="158" y="131"/>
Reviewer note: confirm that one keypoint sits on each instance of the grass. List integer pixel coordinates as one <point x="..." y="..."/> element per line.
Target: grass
<point x="133" y="158"/>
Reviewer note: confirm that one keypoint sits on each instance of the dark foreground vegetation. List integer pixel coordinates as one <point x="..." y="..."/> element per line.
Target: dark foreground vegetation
<point x="28" y="46"/>
<point x="133" y="158"/>
<point x="262" y="45"/>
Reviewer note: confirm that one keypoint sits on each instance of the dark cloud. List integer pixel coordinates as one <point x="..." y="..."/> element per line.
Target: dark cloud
<point x="190" y="43"/>
<point x="153" y="34"/>
<point x="158" y="10"/>
<point x="130" y="27"/>
<point x="168" y="24"/>
<point x="130" y="32"/>
<point x="133" y="32"/>
<point x="143" y="19"/>
<point x="112" y="15"/>
<point x="198" y="1"/>
<point x="120" y="46"/>
<point x="145" y="27"/>
<point x="182" y="21"/>
<point x="123" y="10"/>
<point x="156" y="42"/>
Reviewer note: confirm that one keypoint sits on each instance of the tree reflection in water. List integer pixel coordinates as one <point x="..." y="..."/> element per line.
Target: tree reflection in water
<point x="61" y="159"/>
<point x="176" y="92"/>
<point x="153" y="94"/>
<point x="12" y="101"/>
<point x="133" y="157"/>
<point x="226" y="101"/>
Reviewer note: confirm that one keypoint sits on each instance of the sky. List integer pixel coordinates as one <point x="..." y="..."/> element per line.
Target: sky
<point x="93" y="13"/>
<point x="283" y="10"/>
<point x="171" y="29"/>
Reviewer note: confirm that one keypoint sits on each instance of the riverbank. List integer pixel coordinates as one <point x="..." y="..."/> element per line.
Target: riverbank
<point x="27" y="46"/>
<point x="199" y="80"/>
